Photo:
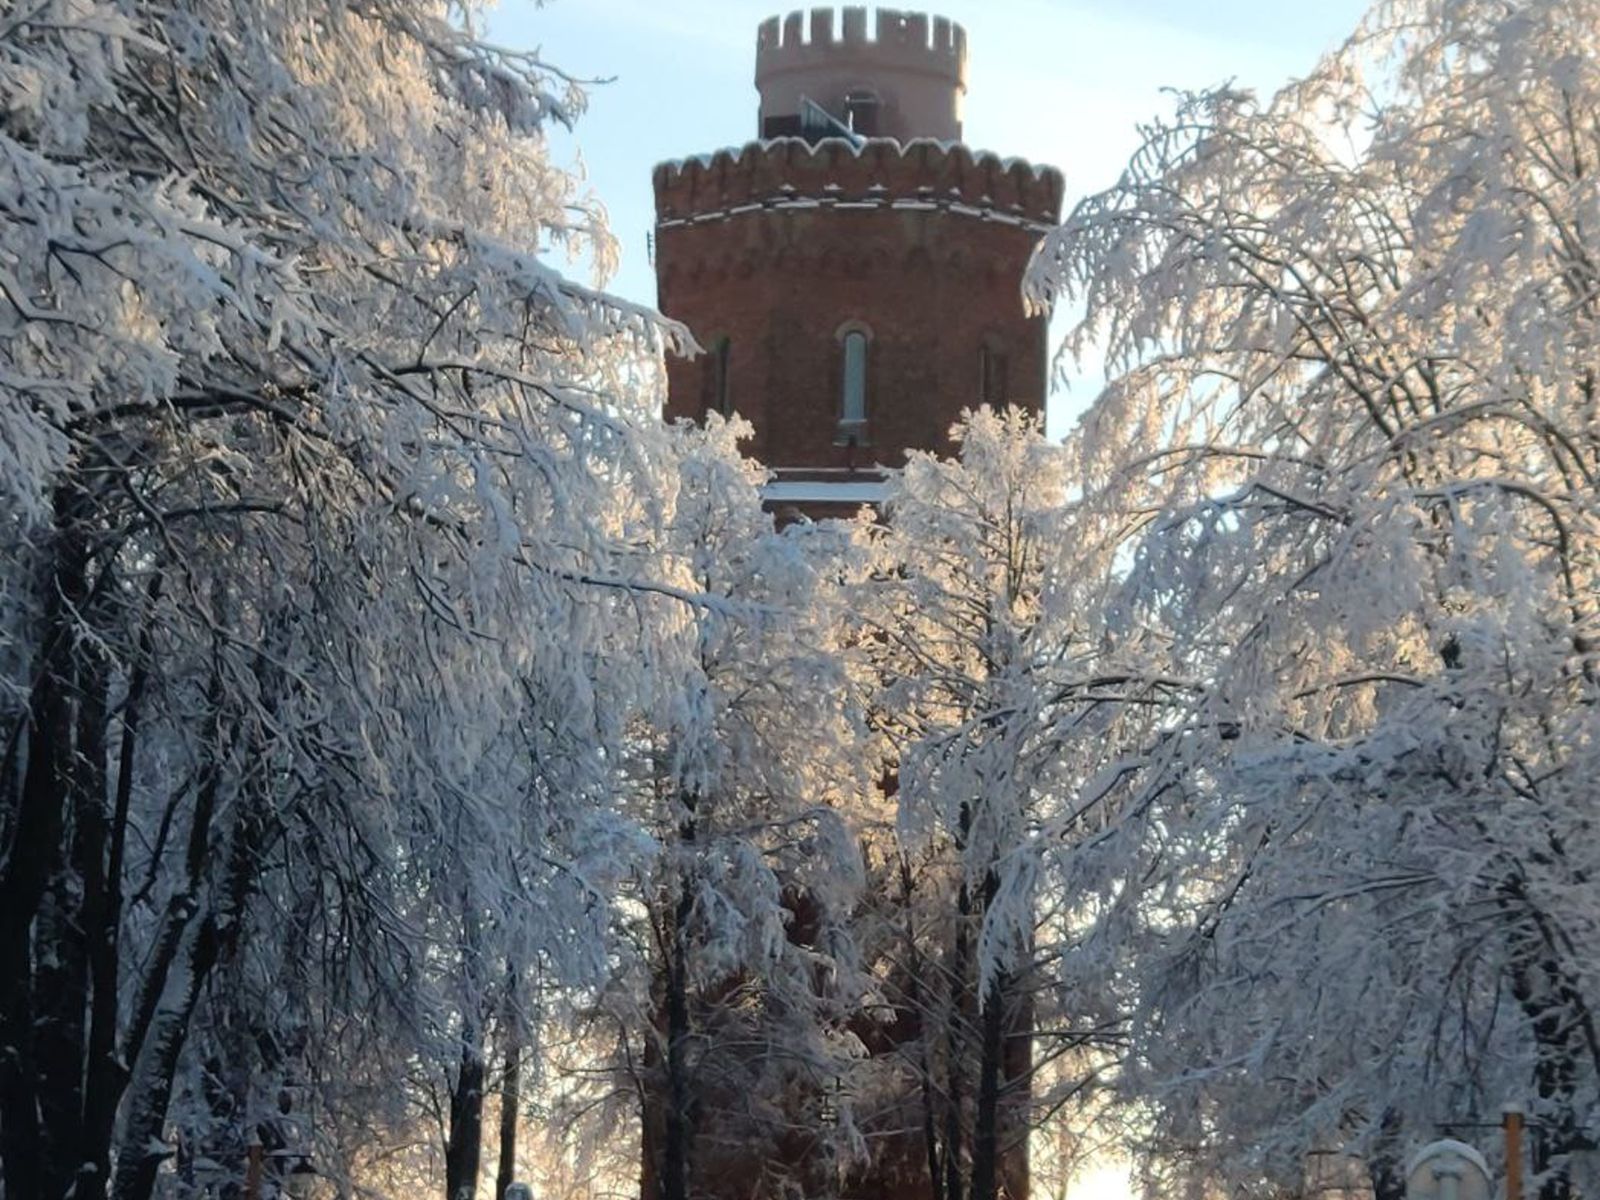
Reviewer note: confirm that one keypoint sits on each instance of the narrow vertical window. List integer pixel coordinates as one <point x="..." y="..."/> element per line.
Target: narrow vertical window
<point x="724" y="398"/>
<point x="853" y="409"/>
<point x="716" y="397"/>
<point x="992" y="387"/>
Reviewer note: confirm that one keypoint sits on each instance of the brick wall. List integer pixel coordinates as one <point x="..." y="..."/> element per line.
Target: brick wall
<point x="778" y="246"/>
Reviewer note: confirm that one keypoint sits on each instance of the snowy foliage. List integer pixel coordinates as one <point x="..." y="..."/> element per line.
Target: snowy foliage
<point x="328" y="584"/>
<point x="396" y="713"/>
<point x="1353" y="433"/>
<point x="981" y="648"/>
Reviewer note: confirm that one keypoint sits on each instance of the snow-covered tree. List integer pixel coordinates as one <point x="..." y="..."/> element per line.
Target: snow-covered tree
<point x="1352" y="423"/>
<point x="977" y="629"/>
<point x="326" y="509"/>
<point x="745" y="981"/>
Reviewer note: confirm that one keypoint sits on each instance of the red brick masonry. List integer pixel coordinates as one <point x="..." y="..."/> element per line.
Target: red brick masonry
<point x="780" y="244"/>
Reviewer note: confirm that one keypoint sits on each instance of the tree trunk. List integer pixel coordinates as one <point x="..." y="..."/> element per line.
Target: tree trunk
<point x="199" y="931"/>
<point x="1563" y="1032"/>
<point x="31" y="862"/>
<point x="1386" y="1168"/>
<point x="991" y="1067"/>
<point x="104" y="1073"/>
<point x="1016" y="1089"/>
<point x="464" y="1145"/>
<point x="510" y="1096"/>
<point x="675" y="1153"/>
<point x="150" y="1090"/>
<point x="66" y="925"/>
<point x="679" y="1126"/>
<point x="956" y="1044"/>
<point x="986" y="1125"/>
<point x="919" y="1004"/>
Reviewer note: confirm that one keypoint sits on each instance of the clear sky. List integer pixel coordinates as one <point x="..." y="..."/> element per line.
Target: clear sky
<point x="1058" y="81"/>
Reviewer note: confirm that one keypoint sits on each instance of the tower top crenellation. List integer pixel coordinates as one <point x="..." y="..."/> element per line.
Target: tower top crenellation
<point x="899" y="74"/>
<point x="894" y="39"/>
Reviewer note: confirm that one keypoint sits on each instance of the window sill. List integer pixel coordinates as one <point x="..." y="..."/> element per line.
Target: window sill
<point x="851" y="432"/>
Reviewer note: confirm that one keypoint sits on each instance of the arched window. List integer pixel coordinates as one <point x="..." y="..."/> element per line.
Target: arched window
<point x="854" y="342"/>
<point x="992" y="383"/>
<point x="715" y="396"/>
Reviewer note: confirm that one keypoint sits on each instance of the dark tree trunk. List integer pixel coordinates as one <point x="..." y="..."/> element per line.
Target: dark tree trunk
<point x="679" y="1123"/>
<point x="918" y="1002"/>
<point x="679" y="1129"/>
<point x="510" y="1094"/>
<point x="1016" y="1093"/>
<point x="201" y="930"/>
<point x="991" y="1066"/>
<point x="60" y="986"/>
<point x="142" y="1155"/>
<point x="1550" y="1006"/>
<point x="201" y="927"/>
<point x="986" y="1124"/>
<point x="463" y="1148"/>
<point x="31" y="862"/>
<point x="104" y="1074"/>
<point x="464" y="1145"/>
<point x="956" y="1044"/>
<point x="62" y="977"/>
<point x="1564" y="1034"/>
<point x="1386" y="1168"/>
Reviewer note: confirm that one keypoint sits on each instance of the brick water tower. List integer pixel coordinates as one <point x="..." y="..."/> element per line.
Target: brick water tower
<point x="854" y="275"/>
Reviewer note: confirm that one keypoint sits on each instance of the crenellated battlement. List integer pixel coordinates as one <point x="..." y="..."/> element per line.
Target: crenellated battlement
<point x="901" y="74"/>
<point x="893" y="39"/>
<point x="792" y="173"/>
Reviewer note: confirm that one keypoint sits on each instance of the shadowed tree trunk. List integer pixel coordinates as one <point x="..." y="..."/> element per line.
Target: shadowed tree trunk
<point x="463" y="1148"/>
<point x="30" y="1152"/>
<point x="105" y="1075"/>
<point x="510" y="1093"/>
<point x="204" y="924"/>
<point x="1564" y="1034"/>
<point x="991" y="1064"/>
<point x="677" y="1123"/>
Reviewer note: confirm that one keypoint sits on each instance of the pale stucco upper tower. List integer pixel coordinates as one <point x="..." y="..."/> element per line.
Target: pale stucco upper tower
<point x="903" y="76"/>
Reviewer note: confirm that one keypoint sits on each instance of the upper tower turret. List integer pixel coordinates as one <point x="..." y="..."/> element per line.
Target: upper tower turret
<point x="905" y="78"/>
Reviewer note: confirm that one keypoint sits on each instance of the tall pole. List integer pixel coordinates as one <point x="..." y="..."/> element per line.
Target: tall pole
<point x="1511" y="1124"/>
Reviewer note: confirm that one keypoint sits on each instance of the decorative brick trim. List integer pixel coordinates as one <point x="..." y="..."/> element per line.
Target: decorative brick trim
<point x="880" y="173"/>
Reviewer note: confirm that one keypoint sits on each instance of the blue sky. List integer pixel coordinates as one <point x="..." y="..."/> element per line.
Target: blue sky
<point x="1053" y="81"/>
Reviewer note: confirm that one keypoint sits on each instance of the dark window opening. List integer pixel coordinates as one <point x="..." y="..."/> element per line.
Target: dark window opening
<point x="781" y="127"/>
<point x="813" y="122"/>
<point x="717" y="397"/>
<point x="853" y="393"/>
<point x="861" y="112"/>
<point x="992" y="385"/>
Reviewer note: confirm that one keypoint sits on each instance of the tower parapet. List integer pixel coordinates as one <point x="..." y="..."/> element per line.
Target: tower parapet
<point x="905" y="77"/>
<point x="791" y="173"/>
